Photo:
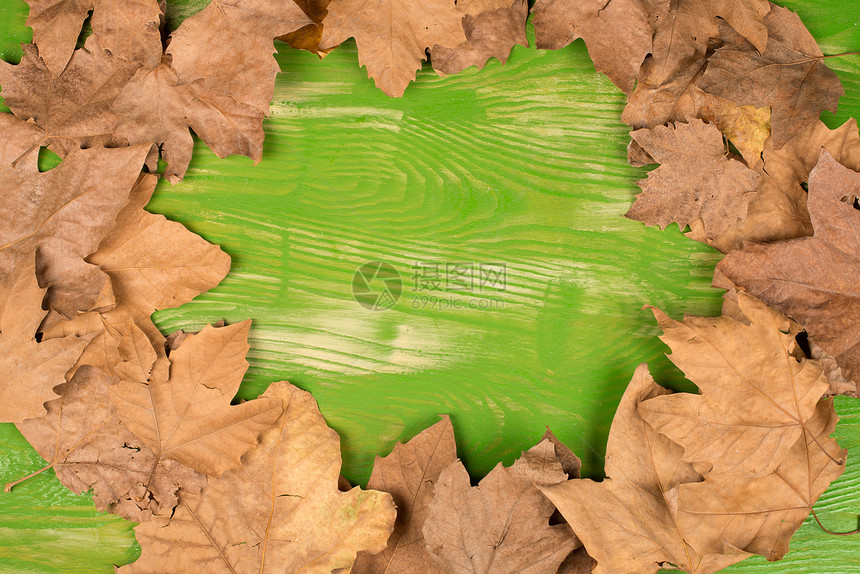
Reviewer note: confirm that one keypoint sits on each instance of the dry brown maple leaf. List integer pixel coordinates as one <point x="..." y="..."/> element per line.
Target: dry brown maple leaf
<point x="220" y="75"/>
<point x="18" y="138"/>
<point x="501" y="525"/>
<point x="188" y="417"/>
<point x="30" y="370"/>
<point x="409" y="474"/>
<point x="217" y="79"/>
<point x="155" y="263"/>
<point x="492" y="28"/>
<point x="618" y="34"/>
<point x="578" y="562"/>
<point x="695" y="181"/>
<point x="838" y="384"/>
<point x="657" y="100"/>
<point x="683" y="30"/>
<point x="63" y="214"/>
<point x="679" y="99"/>
<point x="118" y="345"/>
<point x="152" y="106"/>
<point x="792" y="163"/>
<point x="130" y="29"/>
<point x="759" y="515"/>
<point x="625" y="522"/>
<point x="746" y="17"/>
<point x="756" y="396"/>
<point x="777" y="211"/>
<point x="789" y="76"/>
<point x="280" y="512"/>
<point x="308" y="37"/>
<point x="73" y="108"/>
<point x="815" y="280"/>
<point x="83" y="442"/>
<point x="393" y="35"/>
<point x="227" y="49"/>
<point x="570" y="463"/>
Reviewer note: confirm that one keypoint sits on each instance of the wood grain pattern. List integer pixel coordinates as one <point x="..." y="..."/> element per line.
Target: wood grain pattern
<point x="523" y="165"/>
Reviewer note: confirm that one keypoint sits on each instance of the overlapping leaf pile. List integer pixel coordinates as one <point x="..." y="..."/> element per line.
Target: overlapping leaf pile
<point x="696" y="481"/>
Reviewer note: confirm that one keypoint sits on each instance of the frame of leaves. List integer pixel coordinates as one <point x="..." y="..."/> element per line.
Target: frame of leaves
<point x="146" y="422"/>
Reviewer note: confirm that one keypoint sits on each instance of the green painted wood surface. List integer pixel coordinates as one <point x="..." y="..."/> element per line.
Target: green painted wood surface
<point x="522" y="165"/>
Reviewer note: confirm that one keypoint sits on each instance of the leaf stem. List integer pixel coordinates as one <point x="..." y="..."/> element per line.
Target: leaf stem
<point x="828" y="531"/>
<point x="842" y="54"/>
<point x="10" y="485"/>
<point x="824" y="450"/>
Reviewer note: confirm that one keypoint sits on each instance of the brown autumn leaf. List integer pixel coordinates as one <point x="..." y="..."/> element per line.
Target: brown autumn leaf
<point x="578" y="562"/>
<point x="658" y="99"/>
<point x="83" y="442"/>
<point x="625" y="522"/>
<point x="695" y="181"/>
<point x="63" y="214"/>
<point x="680" y="99"/>
<point x="814" y="279"/>
<point x="492" y="28"/>
<point x="683" y="30"/>
<point x="222" y="77"/>
<point x="308" y="37"/>
<point x="777" y="211"/>
<point x="204" y="49"/>
<point x="746" y="17"/>
<point x="792" y="163"/>
<point x="392" y="49"/>
<point x="409" y="474"/>
<point x="789" y="76"/>
<point x="618" y="34"/>
<point x="759" y="515"/>
<point x="216" y="78"/>
<point x="176" y="338"/>
<point x="756" y="395"/>
<point x="19" y="137"/>
<point x="30" y="370"/>
<point x="130" y="29"/>
<point x="570" y="463"/>
<point x="155" y="263"/>
<point x="281" y="511"/>
<point x="838" y="384"/>
<point x="188" y="416"/>
<point x="153" y="106"/>
<point x="71" y="109"/>
<point x="501" y="525"/>
<point x="120" y="342"/>
<point x="199" y="86"/>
